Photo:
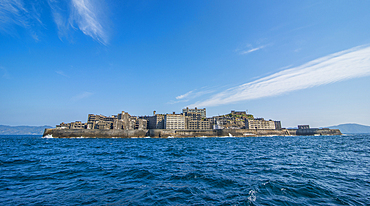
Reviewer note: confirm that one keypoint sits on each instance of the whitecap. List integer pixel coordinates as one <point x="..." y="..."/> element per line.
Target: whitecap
<point x="252" y="196"/>
<point x="48" y="136"/>
<point x="265" y="183"/>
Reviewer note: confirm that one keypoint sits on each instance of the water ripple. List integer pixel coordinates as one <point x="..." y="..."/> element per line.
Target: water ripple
<point x="189" y="171"/>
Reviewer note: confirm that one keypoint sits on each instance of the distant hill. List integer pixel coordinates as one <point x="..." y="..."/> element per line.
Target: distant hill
<point x="352" y="128"/>
<point x="22" y="130"/>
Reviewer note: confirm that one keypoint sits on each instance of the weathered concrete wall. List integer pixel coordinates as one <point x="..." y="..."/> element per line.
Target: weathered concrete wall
<point x="95" y="133"/>
<point x="165" y="133"/>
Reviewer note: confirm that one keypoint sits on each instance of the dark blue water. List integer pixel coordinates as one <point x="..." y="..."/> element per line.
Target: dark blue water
<point x="327" y="170"/>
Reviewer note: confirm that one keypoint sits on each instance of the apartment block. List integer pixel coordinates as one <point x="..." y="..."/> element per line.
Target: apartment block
<point x="195" y="118"/>
<point x="202" y="124"/>
<point x="174" y="121"/>
<point x="259" y="123"/>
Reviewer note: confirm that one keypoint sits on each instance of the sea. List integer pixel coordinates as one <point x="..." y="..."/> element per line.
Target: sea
<point x="274" y="170"/>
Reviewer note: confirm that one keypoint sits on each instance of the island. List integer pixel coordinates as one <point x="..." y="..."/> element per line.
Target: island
<point x="192" y="122"/>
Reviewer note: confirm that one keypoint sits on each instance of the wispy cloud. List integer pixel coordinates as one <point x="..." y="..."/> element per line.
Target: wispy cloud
<point x="348" y="64"/>
<point x="17" y="12"/>
<point x="190" y="95"/>
<point x="60" y="12"/>
<point x="61" y="73"/>
<point x="13" y="11"/>
<point x="184" y="95"/>
<point x="5" y="74"/>
<point x="252" y="50"/>
<point x="81" y="96"/>
<point x="85" y="15"/>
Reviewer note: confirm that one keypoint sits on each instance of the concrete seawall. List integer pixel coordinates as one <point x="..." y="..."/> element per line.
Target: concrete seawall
<point x="61" y="133"/>
<point x="165" y="133"/>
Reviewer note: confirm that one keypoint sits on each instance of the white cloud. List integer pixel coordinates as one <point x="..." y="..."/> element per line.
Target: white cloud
<point x="17" y="12"/>
<point x="252" y="50"/>
<point x="84" y="13"/>
<point x="184" y="95"/>
<point x="12" y="11"/>
<point x="86" y="16"/>
<point x="190" y="95"/>
<point x="348" y="64"/>
<point x="59" y="11"/>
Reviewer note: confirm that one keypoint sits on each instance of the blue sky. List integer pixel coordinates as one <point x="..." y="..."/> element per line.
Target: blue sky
<point x="301" y="62"/>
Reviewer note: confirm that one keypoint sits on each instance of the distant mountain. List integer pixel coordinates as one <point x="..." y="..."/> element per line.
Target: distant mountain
<point x="352" y="128"/>
<point x="22" y="130"/>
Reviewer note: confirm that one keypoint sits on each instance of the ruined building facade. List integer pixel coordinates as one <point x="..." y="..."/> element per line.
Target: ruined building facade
<point x="123" y="121"/>
<point x="196" y="118"/>
<point x="260" y="123"/>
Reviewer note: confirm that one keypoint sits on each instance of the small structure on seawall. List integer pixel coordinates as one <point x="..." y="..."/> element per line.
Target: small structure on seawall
<point x="306" y="130"/>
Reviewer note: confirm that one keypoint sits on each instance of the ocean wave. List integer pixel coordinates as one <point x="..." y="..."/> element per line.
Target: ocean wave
<point x="185" y="171"/>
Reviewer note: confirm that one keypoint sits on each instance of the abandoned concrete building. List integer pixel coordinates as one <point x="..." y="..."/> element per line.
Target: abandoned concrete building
<point x="196" y="118"/>
<point x="233" y="120"/>
<point x="192" y="119"/>
<point x="122" y="121"/>
<point x="260" y="123"/>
